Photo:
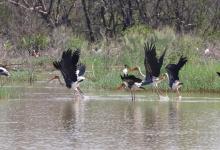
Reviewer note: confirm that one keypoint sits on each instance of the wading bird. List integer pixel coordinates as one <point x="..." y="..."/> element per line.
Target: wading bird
<point x="218" y="73"/>
<point x="173" y="74"/>
<point x="72" y="73"/>
<point x="152" y="66"/>
<point x="3" y="72"/>
<point x="132" y="83"/>
<point x="128" y="69"/>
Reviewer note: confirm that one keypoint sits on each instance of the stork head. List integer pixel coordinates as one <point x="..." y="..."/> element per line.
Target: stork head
<point x="4" y="72"/>
<point x="126" y="66"/>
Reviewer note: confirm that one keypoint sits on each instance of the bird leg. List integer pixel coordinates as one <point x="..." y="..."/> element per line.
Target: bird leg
<point x="80" y="91"/>
<point x="56" y="77"/>
<point x="157" y="90"/>
<point x="132" y="96"/>
<point x="178" y="93"/>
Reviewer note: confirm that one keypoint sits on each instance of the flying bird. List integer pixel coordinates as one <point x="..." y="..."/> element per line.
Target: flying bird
<point x="173" y="74"/>
<point x="132" y="83"/>
<point x="71" y="71"/>
<point x="153" y="66"/>
<point x="4" y="72"/>
<point x="218" y="73"/>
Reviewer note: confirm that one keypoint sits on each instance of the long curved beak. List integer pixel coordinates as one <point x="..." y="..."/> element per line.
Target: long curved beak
<point x="121" y="86"/>
<point x="55" y="77"/>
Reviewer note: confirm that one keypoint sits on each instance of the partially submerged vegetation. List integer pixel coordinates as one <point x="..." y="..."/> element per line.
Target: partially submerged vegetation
<point x="105" y="59"/>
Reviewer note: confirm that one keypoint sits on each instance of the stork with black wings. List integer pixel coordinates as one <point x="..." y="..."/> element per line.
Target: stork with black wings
<point x="71" y="71"/>
<point x="153" y="66"/>
<point x="173" y="74"/>
<point x="132" y="83"/>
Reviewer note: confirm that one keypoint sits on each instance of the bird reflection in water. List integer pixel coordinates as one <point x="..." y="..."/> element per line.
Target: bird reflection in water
<point x="71" y="114"/>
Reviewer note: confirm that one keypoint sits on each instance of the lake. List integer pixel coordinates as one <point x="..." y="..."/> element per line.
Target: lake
<point x="50" y="118"/>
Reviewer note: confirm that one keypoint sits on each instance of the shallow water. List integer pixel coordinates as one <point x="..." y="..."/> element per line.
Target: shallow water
<point x="50" y="118"/>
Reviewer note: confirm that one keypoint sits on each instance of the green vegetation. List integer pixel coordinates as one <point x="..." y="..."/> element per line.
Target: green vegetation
<point x="105" y="60"/>
<point x="9" y="92"/>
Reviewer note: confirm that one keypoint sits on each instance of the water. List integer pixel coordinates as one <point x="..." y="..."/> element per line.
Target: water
<point x="49" y="118"/>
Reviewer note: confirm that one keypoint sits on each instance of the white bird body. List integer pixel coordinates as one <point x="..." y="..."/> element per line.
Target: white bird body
<point x="80" y="78"/>
<point x="125" y="71"/>
<point x="138" y="84"/>
<point x="4" y="72"/>
<point x="176" y="85"/>
<point x="207" y="51"/>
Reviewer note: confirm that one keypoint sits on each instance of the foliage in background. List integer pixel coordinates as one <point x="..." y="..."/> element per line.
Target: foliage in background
<point x="105" y="59"/>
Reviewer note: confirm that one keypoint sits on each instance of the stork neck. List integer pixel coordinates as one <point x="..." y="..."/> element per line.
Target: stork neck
<point x="125" y="71"/>
<point x="139" y="69"/>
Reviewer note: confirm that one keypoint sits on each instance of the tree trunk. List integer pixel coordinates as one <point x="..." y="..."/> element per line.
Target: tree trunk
<point x="88" y="22"/>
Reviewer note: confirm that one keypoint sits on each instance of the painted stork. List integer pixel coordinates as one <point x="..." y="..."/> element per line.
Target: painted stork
<point x="132" y="83"/>
<point x="173" y="74"/>
<point x="218" y="73"/>
<point x="153" y="66"/>
<point x="71" y="71"/>
<point x="4" y="72"/>
<point x="128" y="69"/>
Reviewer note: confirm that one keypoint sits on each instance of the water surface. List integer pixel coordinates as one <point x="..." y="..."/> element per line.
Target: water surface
<point x="50" y="118"/>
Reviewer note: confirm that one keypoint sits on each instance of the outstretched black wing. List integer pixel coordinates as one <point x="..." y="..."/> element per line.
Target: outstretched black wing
<point x="173" y="70"/>
<point x="218" y="73"/>
<point x="68" y="66"/>
<point x="152" y="64"/>
<point x="82" y="69"/>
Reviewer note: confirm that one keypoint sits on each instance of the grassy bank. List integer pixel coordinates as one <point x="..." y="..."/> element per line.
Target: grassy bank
<point x="105" y="59"/>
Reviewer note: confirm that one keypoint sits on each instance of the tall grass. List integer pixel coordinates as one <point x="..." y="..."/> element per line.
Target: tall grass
<point x="105" y="65"/>
<point x="198" y="75"/>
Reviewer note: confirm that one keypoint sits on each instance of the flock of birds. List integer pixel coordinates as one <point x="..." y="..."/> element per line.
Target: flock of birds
<point x="152" y="77"/>
<point x="73" y="72"/>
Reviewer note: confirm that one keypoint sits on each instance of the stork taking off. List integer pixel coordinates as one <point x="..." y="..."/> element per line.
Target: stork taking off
<point x="173" y="74"/>
<point x="218" y="73"/>
<point x="132" y="83"/>
<point x="72" y="73"/>
<point x="152" y="66"/>
<point x="3" y="72"/>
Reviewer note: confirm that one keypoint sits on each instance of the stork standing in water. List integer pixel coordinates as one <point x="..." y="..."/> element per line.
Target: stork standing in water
<point x="72" y="73"/>
<point x="132" y="83"/>
<point x="153" y="66"/>
<point x="173" y="74"/>
<point x="4" y="72"/>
